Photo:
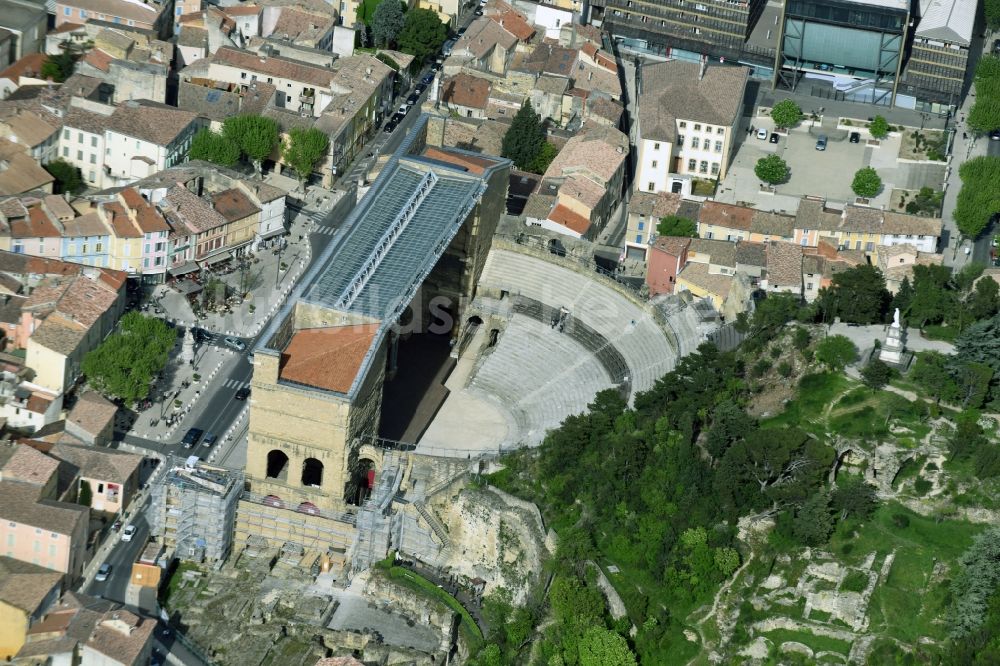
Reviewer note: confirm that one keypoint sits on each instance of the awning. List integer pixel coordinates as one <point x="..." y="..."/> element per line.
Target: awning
<point x="184" y="269"/>
<point x="187" y="287"/>
<point x="272" y="234"/>
<point x="224" y="256"/>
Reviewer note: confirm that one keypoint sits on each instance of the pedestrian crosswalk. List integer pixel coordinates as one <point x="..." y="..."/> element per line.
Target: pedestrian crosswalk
<point x="235" y="385"/>
<point x="324" y="230"/>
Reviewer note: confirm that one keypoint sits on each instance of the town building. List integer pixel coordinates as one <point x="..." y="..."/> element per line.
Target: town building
<point x="92" y="419"/>
<point x="155" y="16"/>
<point x="27" y="591"/>
<point x="113" y="476"/>
<point x="688" y="119"/>
<point x="58" y="637"/>
<point x="26" y="22"/>
<point x="120" y="638"/>
<point x="936" y="71"/>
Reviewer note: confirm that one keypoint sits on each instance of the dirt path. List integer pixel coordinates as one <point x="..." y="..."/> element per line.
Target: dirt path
<point x="715" y="604"/>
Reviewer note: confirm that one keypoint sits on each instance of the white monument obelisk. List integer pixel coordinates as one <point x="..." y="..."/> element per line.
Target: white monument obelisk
<point x="892" y="350"/>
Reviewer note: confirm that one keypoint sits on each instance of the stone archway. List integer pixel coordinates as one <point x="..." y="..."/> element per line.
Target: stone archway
<point x="277" y="465"/>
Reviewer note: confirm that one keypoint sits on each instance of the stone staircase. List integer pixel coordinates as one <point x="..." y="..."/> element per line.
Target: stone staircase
<point x="434" y="523"/>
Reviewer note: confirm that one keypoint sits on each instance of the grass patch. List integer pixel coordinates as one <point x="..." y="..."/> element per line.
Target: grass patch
<point x="909" y="470"/>
<point x="856" y="581"/>
<point x="815" y="642"/>
<point x="939" y="332"/>
<point x="908" y="604"/>
<point x="421" y="585"/>
<point x="176" y="578"/>
<point x="814" y="394"/>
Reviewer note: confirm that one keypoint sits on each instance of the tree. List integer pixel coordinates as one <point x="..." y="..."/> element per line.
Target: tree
<point x="86" y="496"/>
<point x="125" y="364"/>
<point x="876" y="374"/>
<point x="977" y="581"/>
<point x="991" y="8"/>
<point x="256" y="136"/>
<point x="727" y="560"/>
<point x="866" y="182"/>
<point x="977" y="201"/>
<point x="67" y="176"/>
<point x="853" y="497"/>
<point x="772" y="170"/>
<point x="857" y="295"/>
<point x="813" y="522"/>
<point x="786" y="113"/>
<point x="930" y="372"/>
<point x="973" y="384"/>
<point x="213" y="147"/>
<point x="980" y="343"/>
<point x="544" y="158"/>
<point x="931" y="299"/>
<point x="387" y="22"/>
<point x="59" y="67"/>
<point x="984" y="301"/>
<point x="305" y="149"/>
<point x="422" y="34"/>
<point x="366" y="11"/>
<point x="879" y="127"/>
<point x="524" y="138"/>
<point x="902" y="297"/>
<point x="675" y="225"/>
<point x="602" y="647"/>
<point x="836" y="352"/>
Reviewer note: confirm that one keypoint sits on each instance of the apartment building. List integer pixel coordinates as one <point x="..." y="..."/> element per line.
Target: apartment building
<point x="939" y="54"/>
<point x="155" y="16"/>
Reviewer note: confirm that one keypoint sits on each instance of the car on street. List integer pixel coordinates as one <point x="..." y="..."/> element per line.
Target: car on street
<point x="412" y="99"/>
<point x="116" y="526"/>
<point x="995" y="135"/>
<point x="855" y="137"/>
<point x="821" y="142"/>
<point x="391" y="125"/>
<point x="762" y="134"/>
<point x="774" y="137"/>
<point x="200" y="334"/>
<point x="420" y="88"/>
<point x="128" y="532"/>
<point x="209" y="440"/>
<point x="427" y="80"/>
<point x="235" y="343"/>
<point x="242" y="394"/>
<point x="996" y="46"/>
<point x="103" y="572"/>
<point x="479" y="12"/>
<point x="402" y="110"/>
<point x="191" y="437"/>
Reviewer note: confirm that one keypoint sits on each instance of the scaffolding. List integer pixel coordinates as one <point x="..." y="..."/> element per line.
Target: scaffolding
<point x="194" y="510"/>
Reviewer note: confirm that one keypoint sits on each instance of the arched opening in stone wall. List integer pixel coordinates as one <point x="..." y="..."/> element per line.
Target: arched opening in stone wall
<point x="312" y="473"/>
<point x="277" y="465"/>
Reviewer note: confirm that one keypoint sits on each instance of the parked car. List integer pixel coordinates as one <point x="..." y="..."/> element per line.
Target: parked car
<point x="191" y="437"/>
<point x="762" y="134"/>
<point x="479" y="12"/>
<point x="774" y="137"/>
<point x="103" y="572"/>
<point x="855" y="137"/>
<point x="242" y="394"/>
<point x="209" y="440"/>
<point x="995" y="135"/>
<point x="235" y="343"/>
<point x="391" y="125"/>
<point x="427" y="80"/>
<point x="402" y="110"/>
<point x="128" y="532"/>
<point x="420" y="88"/>
<point x="412" y="99"/>
<point x="117" y="525"/>
<point x="200" y="334"/>
<point x="821" y="142"/>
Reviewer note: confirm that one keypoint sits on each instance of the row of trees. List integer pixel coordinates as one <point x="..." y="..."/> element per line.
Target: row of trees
<point x="787" y="114"/>
<point x="125" y="364"/>
<point x="774" y="170"/>
<point x="254" y="138"/>
<point x="984" y="116"/>
<point x="418" y="32"/>
<point x="977" y="200"/>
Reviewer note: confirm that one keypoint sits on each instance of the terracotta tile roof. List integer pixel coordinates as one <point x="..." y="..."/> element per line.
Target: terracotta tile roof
<point x="338" y="661"/>
<point x="772" y="224"/>
<point x="122" y="636"/>
<point x="117" y="218"/>
<point x="784" y="264"/>
<point x="582" y="189"/>
<point x="150" y="121"/>
<point x="23" y="463"/>
<point x="812" y="214"/>
<point x="92" y="412"/>
<point x="98" y="59"/>
<point x="672" y="245"/>
<point x="751" y="254"/>
<point x="86" y="120"/>
<point x="19" y="503"/>
<point x="192" y="210"/>
<point x="902" y="224"/>
<point x="515" y="23"/>
<point x="719" y="252"/>
<point x="24" y="585"/>
<point x="673" y="90"/>
<point x="466" y="90"/>
<point x="539" y="206"/>
<point x="276" y="66"/>
<point x="482" y="37"/>
<point x="147" y="217"/>
<point x="126" y="9"/>
<point x="39" y="403"/>
<point x="725" y="215"/>
<point x="481" y="136"/>
<point x="242" y="10"/>
<point x="95" y="462"/>
<point x="19" y="172"/>
<point x="595" y="78"/>
<point x="233" y="204"/>
<point x="90" y="224"/>
<point x="327" y="358"/>
<point x="606" y="108"/>
<point x="569" y="219"/>
<point x="66" y="27"/>
<point x="37" y="225"/>
<point x="472" y="163"/>
<point x="29" y="66"/>
<point x="551" y="59"/>
<point x="659" y="204"/>
<point x="596" y="150"/>
<point x="698" y="275"/>
<point x="29" y="129"/>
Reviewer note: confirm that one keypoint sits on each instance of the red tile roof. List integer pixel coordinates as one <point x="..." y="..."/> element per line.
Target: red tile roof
<point x="30" y="66"/>
<point x="726" y="215"/>
<point x="327" y="358"/>
<point x="567" y="218"/>
<point x="467" y="90"/>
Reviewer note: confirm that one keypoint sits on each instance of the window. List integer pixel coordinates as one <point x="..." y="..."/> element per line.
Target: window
<point x="83" y="13"/>
<point x="697" y="127"/>
<point x="652" y="187"/>
<point x="10" y="539"/>
<point x="718" y="146"/>
<point x="642" y="225"/>
<point x="145" y="262"/>
<point x="83" y="249"/>
<point x="703" y="167"/>
<point x="66" y="134"/>
<point x="720" y="130"/>
<point x="809" y="285"/>
<point x="67" y="11"/>
<point x="179" y="10"/>
<point x="869" y="247"/>
<point x="708" y="128"/>
<point x="655" y="164"/>
<point x="638" y="239"/>
<point x="683" y="124"/>
<point x="93" y="158"/>
<point x="715" y="168"/>
<point x="243" y="75"/>
<point x="97" y="246"/>
<point x="93" y="142"/>
<point x="695" y="143"/>
<point x="79" y="137"/>
<point x="680" y="140"/>
<point x="857" y="245"/>
<point x="692" y="165"/>
<point x="93" y="179"/>
<point x="656" y="146"/>
<point x="79" y="156"/>
<point x="65" y="151"/>
<point x="138" y="144"/>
